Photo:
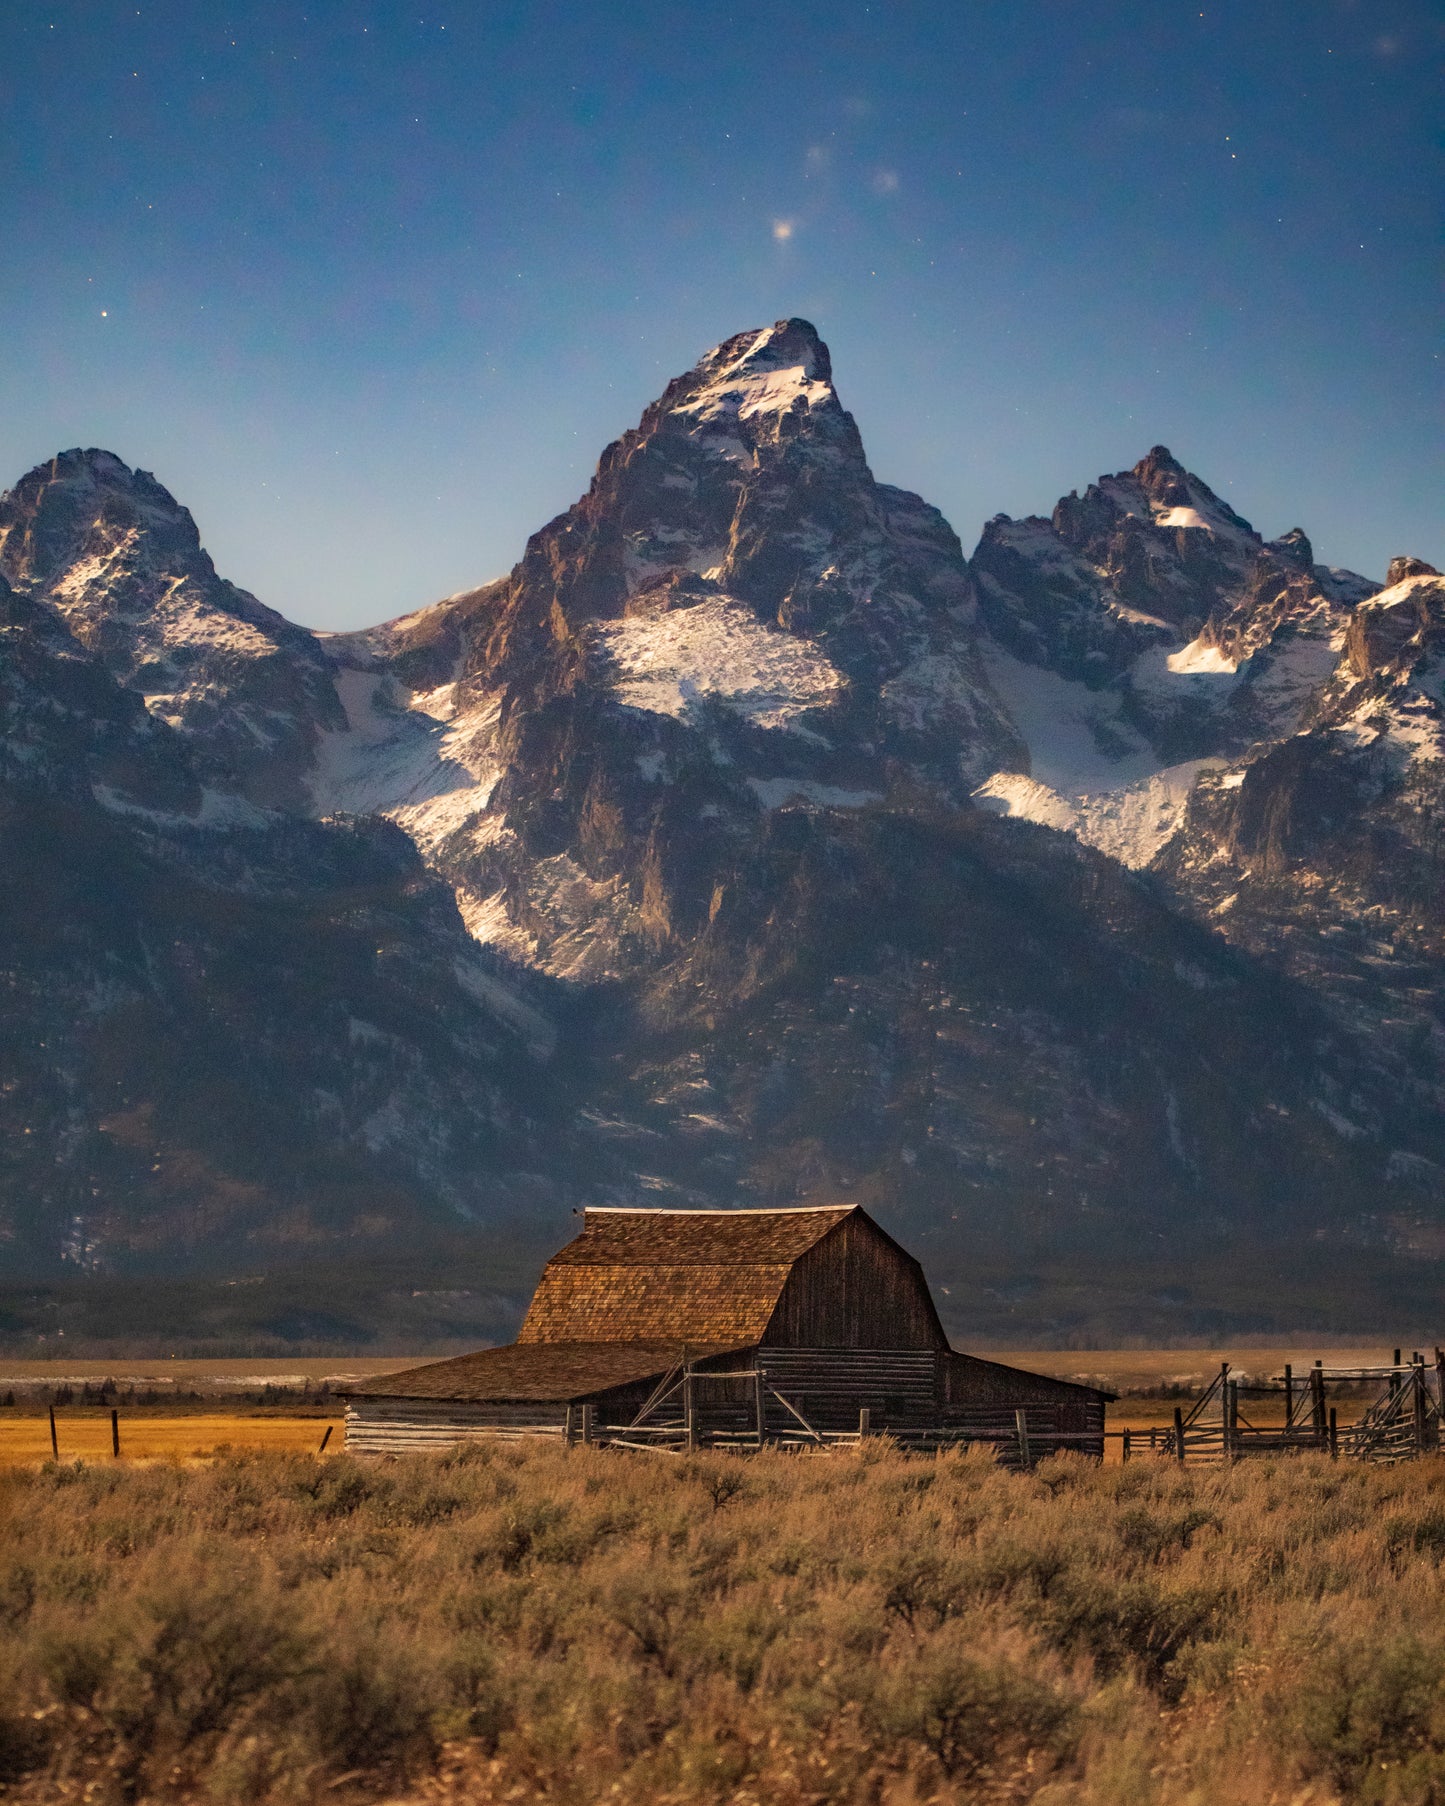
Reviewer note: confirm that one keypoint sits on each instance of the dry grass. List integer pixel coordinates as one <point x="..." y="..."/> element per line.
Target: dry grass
<point x="85" y="1436"/>
<point x="529" y="1623"/>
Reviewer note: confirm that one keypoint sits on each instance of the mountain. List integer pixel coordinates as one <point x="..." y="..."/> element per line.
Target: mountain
<point x="1140" y="636"/>
<point x="745" y="844"/>
<point x="229" y="1033"/>
<point x="1322" y="853"/>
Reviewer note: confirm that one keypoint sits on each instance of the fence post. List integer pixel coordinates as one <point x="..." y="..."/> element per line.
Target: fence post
<point x="1417" y="1382"/>
<point x="865" y="1422"/>
<point x="1021" y="1424"/>
<point x="114" y="1434"/>
<point x="589" y="1423"/>
<point x="569" y="1430"/>
<point x="758" y="1407"/>
<point x="1178" y="1434"/>
<point x="1439" y="1396"/>
<point x="1334" y="1436"/>
<point x="1231" y="1417"/>
<point x="1124" y="1449"/>
<point x="54" y="1439"/>
<point x="1317" y="1401"/>
<point x="1288" y="1396"/>
<point x="689" y="1418"/>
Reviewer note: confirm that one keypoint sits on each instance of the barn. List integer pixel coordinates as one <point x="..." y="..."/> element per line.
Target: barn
<point x="696" y="1328"/>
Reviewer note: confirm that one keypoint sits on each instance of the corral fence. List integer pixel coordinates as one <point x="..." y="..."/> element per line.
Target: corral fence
<point x="745" y="1408"/>
<point x="1404" y="1419"/>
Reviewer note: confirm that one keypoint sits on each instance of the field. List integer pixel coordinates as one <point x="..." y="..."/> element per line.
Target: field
<point x="517" y="1624"/>
<point x="147" y="1436"/>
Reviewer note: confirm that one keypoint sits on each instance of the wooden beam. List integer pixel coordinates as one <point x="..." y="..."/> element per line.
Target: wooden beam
<point x="796" y="1413"/>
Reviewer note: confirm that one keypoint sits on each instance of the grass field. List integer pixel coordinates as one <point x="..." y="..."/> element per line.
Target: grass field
<point x="146" y="1436"/>
<point x="536" y="1624"/>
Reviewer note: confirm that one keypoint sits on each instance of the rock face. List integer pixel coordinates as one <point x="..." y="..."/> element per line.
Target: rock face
<point x="228" y="1032"/>
<point x="1323" y="853"/>
<point x="684" y="863"/>
<point x="122" y="564"/>
<point x="1142" y="635"/>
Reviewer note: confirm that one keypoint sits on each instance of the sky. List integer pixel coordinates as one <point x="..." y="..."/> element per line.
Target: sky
<point x="370" y="286"/>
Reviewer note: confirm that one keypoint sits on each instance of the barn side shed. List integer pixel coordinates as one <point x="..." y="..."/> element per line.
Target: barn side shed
<point x="728" y="1328"/>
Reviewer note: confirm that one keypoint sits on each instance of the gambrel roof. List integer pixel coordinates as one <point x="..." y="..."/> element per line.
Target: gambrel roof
<point x="673" y="1275"/>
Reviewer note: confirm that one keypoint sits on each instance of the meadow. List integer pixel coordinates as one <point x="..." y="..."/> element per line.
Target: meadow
<point x="531" y="1623"/>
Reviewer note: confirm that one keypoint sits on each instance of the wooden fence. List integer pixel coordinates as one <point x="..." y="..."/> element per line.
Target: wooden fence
<point x="1405" y="1419"/>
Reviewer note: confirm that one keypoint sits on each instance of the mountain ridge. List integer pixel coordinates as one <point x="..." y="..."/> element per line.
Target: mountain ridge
<point x="704" y="798"/>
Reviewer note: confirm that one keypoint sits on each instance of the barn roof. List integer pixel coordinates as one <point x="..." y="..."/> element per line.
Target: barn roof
<point x="673" y="1275"/>
<point x="541" y="1373"/>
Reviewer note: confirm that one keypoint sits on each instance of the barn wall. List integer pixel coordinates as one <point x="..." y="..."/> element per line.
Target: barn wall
<point x="969" y="1380"/>
<point x="831" y="1385"/>
<point x="855" y="1289"/>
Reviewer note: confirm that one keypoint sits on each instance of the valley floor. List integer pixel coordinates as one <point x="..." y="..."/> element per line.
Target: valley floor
<point x="530" y="1623"/>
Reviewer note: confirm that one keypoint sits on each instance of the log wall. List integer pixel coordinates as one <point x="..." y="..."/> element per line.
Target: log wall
<point x="408" y="1426"/>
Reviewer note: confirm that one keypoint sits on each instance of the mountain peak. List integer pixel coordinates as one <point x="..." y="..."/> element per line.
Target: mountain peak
<point x="1156" y="462"/>
<point x="1401" y="568"/>
<point x="63" y="504"/>
<point x="787" y="344"/>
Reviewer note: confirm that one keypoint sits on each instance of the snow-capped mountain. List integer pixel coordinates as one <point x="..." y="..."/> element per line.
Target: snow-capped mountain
<point x="744" y="844"/>
<point x="1141" y="636"/>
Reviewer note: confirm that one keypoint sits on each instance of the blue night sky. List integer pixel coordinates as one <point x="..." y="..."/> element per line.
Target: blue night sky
<point x="369" y="286"/>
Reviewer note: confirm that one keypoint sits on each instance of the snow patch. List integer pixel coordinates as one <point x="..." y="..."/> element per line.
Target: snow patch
<point x="1130" y="822"/>
<point x="1201" y="658"/>
<point x="423" y="770"/>
<point x="667" y="663"/>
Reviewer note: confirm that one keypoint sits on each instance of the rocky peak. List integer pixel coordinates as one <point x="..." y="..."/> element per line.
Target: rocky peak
<point x="87" y="504"/>
<point x="789" y="344"/>
<point x="113" y="553"/>
<point x="1401" y="568"/>
<point x="745" y="488"/>
<point x="1294" y="548"/>
<point x="1392" y="633"/>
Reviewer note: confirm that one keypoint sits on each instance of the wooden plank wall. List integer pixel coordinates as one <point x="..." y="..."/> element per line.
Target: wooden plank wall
<point x="855" y="1289"/>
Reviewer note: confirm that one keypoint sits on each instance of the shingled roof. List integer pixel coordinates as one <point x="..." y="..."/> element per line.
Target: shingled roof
<point x="551" y="1373"/>
<point x="673" y="1275"/>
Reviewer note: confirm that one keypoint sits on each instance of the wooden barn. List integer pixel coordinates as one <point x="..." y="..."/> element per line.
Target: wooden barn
<point x="693" y="1328"/>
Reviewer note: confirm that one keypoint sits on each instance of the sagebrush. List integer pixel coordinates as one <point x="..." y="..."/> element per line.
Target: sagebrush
<point x="520" y="1623"/>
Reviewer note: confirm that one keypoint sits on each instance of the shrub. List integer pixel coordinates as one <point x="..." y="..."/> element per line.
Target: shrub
<point x="513" y="1622"/>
